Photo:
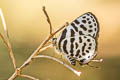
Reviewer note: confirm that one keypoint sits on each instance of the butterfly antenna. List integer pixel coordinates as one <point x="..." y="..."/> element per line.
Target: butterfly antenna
<point x="98" y="61"/>
<point x="93" y="66"/>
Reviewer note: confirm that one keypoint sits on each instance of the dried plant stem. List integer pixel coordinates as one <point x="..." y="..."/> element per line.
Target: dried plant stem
<point x="18" y="70"/>
<point x="100" y="60"/>
<point x="48" y="19"/>
<point x="4" y="23"/>
<point x="14" y="75"/>
<point x="6" y="41"/>
<point x="29" y="77"/>
<point x="36" y="52"/>
<point x="70" y="68"/>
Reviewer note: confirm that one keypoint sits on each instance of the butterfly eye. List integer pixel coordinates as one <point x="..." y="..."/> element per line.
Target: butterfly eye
<point x="54" y="41"/>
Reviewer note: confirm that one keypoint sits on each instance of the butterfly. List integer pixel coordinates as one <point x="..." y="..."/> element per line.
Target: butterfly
<point x="78" y="41"/>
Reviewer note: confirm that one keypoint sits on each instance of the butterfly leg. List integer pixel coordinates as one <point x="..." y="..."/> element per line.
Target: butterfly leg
<point x="100" y="60"/>
<point x="71" y="60"/>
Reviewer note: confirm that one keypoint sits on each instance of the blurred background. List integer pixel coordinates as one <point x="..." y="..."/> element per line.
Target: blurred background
<point x="28" y="27"/>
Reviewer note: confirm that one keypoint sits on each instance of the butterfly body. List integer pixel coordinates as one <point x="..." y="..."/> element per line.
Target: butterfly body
<point x="78" y="41"/>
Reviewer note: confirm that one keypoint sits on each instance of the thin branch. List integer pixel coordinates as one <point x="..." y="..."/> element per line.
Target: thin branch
<point x="6" y="41"/>
<point x="100" y="60"/>
<point x="48" y="19"/>
<point x="29" y="77"/>
<point x="14" y="75"/>
<point x="4" y="24"/>
<point x="70" y="68"/>
<point x="36" y="52"/>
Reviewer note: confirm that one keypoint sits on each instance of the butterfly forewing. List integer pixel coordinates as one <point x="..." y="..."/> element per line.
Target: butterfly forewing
<point x="86" y="24"/>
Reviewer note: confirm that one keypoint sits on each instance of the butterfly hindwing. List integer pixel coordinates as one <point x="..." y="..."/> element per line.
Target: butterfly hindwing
<point x="79" y="47"/>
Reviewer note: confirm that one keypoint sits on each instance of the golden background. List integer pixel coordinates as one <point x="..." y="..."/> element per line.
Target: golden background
<point x="27" y="27"/>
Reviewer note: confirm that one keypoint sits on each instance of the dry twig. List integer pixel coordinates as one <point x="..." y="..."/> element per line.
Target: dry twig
<point x="48" y="19"/>
<point x="35" y="53"/>
<point x="29" y="77"/>
<point x="49" y="57"/>
<point x="6" y="41"/>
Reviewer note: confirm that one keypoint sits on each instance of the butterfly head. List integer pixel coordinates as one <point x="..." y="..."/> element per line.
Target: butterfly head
<point x="54" y="40"/>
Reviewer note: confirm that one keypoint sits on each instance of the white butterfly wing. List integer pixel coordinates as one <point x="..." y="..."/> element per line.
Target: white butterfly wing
<point x="81" y="48"/>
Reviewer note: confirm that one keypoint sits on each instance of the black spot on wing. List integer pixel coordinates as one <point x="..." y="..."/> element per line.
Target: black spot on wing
<point x="88" y="19"/>
<point x="84" y="17"/>
<point x="72" y="33"/>
<point x="80" y="56"/>
<point x="88" y="40"/>
<point x="80" y="40"/>
<point x="89" y="22"/>
<point x="81" y="33"/>
<point x="65" y="47"/>
<point x="90" y="26"/>
<point x="95" y="29"/>
<point x="71" y="54"/>
<point x="84" y="21"/>
<point x="77" y="22"/>
<point x="95" y="24"/>
<point x="90" y="30"/>
<point x="90" y="44"/>
<point x="76" y="45"/>
<point x="72" y="40"/>
<point x="88" y="14"/>
<point x="75" y="27"/>
<point x="89" y="48"/>
<point x="83" y="53"/>
<point x="93" y="20"/>
<point x="61" y="38"/>
<point x="91" y="16"/>
<point x="83" y="47"/>
<point x="94" y="35"/>
<point x="83" y="27"/>
<point x="85" y="37"/>
<point x="87" y="51"/>
<point x="72" y="46"/>
<point x="88" y="56"/>
<point x="77" y="53"/>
